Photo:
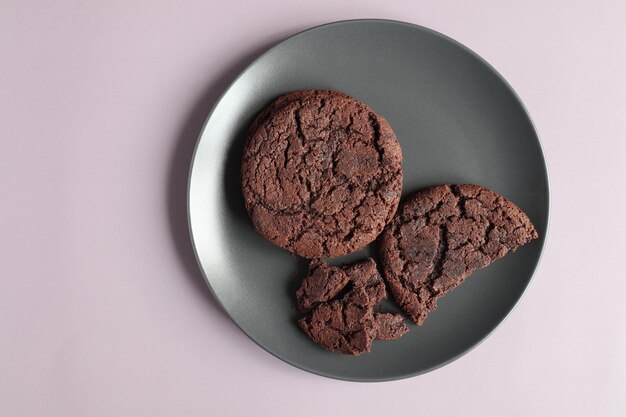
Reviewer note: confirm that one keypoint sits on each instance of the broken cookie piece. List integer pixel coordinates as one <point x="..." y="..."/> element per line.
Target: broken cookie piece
<point x="389" y="326"/>
<point x="346" y="323"/>
<point x="365" y="274"/>
<point x="322" y="284"/>
<point x="440" y="236"/>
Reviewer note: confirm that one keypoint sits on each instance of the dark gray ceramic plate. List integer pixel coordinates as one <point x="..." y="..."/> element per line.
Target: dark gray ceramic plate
<point x="457" y="120"/>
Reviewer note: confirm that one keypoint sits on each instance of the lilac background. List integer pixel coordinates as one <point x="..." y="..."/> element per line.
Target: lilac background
<point x="102" y="309"/>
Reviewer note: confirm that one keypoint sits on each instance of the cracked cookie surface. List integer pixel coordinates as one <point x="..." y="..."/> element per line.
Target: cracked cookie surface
<point x="322" y="284"/>
<point x="289" y="98"/>
<point x="440" y="236"/>
<point x="321" y="174"/>
<point x="340" y="303"/>
<point x="325" y="282"/>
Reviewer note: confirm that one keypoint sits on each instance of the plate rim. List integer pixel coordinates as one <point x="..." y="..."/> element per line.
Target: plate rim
<point x="516" y="97"/>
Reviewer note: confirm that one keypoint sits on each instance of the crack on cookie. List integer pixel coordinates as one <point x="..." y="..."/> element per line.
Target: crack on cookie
<point x="299" y="132"/>
<point x="460" y="203"/>
<point x="440" y="257"/>
<point x="349" y="125"/>
<point x="377" y="136"/>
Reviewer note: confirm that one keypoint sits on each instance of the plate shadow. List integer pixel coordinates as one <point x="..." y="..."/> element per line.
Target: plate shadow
<point x="177" y="183"/>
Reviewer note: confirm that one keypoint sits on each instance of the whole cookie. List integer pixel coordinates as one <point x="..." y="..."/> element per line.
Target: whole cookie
<point x="321" y="174"/>
<point x="440" y="236"/>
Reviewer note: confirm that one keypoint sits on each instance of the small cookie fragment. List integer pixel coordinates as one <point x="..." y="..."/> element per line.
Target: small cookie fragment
<point x="365" y="274"/>
<point x="441" y="235"/>
<point x="322" y="284"/>
<point x="346" y="323"/>
<point x="389" y="326"/>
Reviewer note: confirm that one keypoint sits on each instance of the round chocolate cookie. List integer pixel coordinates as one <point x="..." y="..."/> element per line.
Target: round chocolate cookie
<point x="440" y="236"/>
<point x="321" y="174"/>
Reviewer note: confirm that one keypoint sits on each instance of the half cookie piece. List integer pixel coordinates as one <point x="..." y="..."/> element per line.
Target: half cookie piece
<point x="340" y="301"/>
<point x="321" y="173"/>
<point x="440" y="236"/>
